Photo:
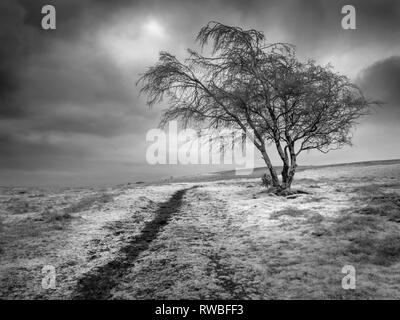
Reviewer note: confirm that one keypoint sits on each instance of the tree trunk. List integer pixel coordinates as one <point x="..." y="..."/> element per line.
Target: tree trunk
<point x="291" y="171"/>
<point x="288" y="172"/>
<point x="285" y="159"/>
<point x="289" y="177"/>
<point x="272" y="171"/>
<point x="285" y="175"/>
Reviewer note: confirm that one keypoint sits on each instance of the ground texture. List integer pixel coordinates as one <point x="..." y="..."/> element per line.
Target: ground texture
<point x="227" y="239"/>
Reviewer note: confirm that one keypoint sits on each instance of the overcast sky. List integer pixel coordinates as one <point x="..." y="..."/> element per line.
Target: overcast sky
<point x="69" y="108"/>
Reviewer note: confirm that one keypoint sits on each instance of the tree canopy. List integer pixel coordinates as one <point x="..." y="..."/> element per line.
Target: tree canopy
<point x="261" y="88"/>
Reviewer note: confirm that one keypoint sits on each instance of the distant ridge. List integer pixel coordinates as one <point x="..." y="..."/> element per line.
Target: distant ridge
<point x="304" y="167"/>
<point x="257" y="172"/>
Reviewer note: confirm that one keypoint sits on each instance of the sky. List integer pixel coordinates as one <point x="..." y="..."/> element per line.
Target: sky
<point x="70" y="111"/>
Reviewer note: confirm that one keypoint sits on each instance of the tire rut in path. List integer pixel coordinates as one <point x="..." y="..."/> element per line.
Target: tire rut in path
<point x="97" y="284"/>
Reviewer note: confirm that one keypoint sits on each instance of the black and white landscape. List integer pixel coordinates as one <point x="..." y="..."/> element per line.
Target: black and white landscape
<point x="102" y="196"/>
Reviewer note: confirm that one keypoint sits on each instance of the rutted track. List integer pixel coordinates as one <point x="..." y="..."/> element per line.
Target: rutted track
<point x="98" y="283"/>
<point x="192" y="257"/>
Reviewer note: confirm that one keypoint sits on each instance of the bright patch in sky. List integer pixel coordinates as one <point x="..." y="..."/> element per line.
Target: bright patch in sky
<point x="153" y="27"/>
<point x="132" y="40"/>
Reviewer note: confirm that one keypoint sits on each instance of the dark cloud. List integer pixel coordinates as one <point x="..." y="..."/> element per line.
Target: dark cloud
<point x="381" y="81"/>
<point x="25" y="44"/>
<point x="11" y="51"/>
<point x="29" y="153"/>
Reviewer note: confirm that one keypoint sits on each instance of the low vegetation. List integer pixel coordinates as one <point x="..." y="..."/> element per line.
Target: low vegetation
<point x="220" y="240"/>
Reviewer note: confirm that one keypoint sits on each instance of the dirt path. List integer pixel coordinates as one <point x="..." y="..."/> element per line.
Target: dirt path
<point x="185" y="242"/>
<point x="98" y="283"/>
<point x="193" y="256"/>
<point x="223" y="241"/>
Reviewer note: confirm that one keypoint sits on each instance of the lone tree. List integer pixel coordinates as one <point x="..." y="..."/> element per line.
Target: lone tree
<point x="261" y="88"/>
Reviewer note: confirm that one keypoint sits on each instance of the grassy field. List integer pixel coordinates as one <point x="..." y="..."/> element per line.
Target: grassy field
<point x="209" y="237"/>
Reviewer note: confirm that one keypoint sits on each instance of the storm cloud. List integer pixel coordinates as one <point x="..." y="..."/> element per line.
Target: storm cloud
<point x="68" y="101"/>
<point x="381" y="81"/>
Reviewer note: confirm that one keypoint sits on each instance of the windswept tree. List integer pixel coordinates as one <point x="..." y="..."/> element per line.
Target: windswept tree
<point x="261" y="88"/>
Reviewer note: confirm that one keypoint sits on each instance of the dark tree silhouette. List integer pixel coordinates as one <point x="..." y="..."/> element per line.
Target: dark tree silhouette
<point x="261" y="88"/>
